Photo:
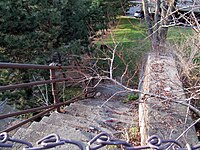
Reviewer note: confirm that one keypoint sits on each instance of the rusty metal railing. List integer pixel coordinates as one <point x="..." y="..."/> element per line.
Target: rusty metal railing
<point x="53" y="81"/>
<point x="32" y="66"/>
<point x="52" y="67"/>
<point x="23" y="85"/>
<point x="48" y="109"/>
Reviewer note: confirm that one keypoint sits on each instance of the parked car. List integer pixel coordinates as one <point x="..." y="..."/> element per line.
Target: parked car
<point x="138" y="14"/>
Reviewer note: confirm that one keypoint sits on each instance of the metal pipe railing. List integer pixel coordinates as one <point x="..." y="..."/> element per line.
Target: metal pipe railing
<point x="54" y="86"/>
<point x="31" y="66"/>
<point x="23" y="85"/>
<point x="3" y="116"/>
<point x="46" y="67"/>
<point x="41" y="113"/>
<point x="27" y="120"/>
<point x="52" y="67"/>
<point x="53" y="80"/>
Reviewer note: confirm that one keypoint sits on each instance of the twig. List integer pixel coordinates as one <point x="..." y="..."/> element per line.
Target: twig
<point x="43" y="96"/>
<point x="195" y="110"/>
<point x="184" y="132"/>
<point x="125" y="91"/>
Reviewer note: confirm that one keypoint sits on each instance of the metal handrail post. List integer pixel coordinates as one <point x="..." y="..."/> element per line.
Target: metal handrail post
<point x="54" y="86"/>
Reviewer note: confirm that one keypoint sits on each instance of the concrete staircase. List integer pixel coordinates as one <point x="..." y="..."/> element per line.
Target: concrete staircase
<point x="81" y="122"/>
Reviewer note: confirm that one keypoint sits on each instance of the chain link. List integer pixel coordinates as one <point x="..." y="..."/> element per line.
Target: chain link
<point x="101" y="140"/>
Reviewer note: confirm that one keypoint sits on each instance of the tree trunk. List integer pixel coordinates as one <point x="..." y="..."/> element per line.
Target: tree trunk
<point x="147" y="19"/>
<point x="157" y="24"/>
<point x="164" y="22"/>
<point x="157" y="29"/>
<point x="163" y="36"/>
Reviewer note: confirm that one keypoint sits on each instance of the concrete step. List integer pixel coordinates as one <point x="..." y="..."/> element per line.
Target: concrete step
<point x="26" y="135"/>
<point x="81" y="122"/>
<point x="78" y="110"/>
<point x="34" y="133"/>
<point x="110" y="117"/>
<point x="65" y="132"/>
<point x="109" y="89"/>
<point x="116" y="105"/>
<point x="78" y="123"/>
<point x="105" y="114"/>
<point x="47" y="128"/>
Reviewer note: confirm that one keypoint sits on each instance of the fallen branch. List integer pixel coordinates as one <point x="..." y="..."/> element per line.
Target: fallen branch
<point x="195" y="110"/>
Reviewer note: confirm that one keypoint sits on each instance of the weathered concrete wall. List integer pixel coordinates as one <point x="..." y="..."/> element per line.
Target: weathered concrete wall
<point x="161" y="116"/>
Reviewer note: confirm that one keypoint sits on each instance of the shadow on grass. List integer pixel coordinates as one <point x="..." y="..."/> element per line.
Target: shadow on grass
<point x="130" y="34"/>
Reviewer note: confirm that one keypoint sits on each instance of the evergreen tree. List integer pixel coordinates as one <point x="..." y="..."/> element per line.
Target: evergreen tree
<point x="31" y="31"/>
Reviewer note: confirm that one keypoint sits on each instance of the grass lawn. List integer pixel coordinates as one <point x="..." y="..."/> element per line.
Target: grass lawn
<point x="130" y="34"/>
<point x="178" y="34"/>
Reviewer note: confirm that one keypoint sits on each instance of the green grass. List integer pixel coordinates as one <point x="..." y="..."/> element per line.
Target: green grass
<point x="178" y="34"/>
<point x="130" y="34"/>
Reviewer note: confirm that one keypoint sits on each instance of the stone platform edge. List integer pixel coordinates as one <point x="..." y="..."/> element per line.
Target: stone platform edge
<point x="160" y="116"/>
